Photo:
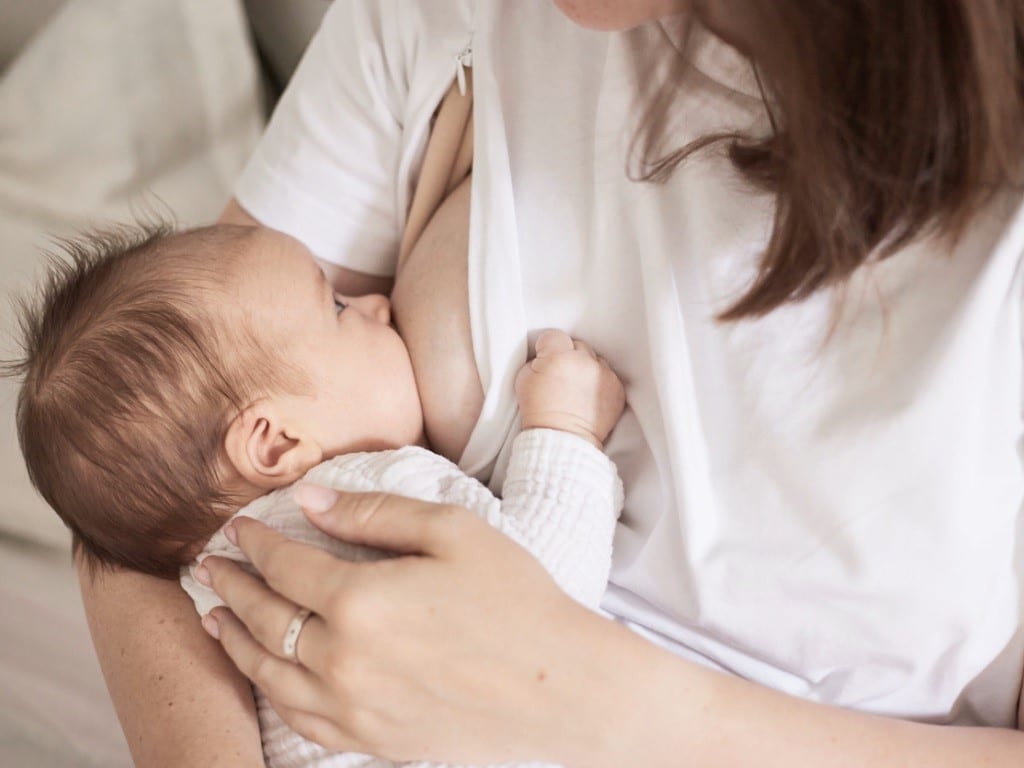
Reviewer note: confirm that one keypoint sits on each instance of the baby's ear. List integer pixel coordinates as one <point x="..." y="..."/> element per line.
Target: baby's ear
<point x="267" y="450"/>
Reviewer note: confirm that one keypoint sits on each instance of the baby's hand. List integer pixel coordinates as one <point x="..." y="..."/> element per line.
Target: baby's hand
<point x="569" y="388"/>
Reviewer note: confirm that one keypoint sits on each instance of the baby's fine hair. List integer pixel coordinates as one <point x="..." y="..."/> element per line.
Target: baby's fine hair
<point x="127" y="390"/>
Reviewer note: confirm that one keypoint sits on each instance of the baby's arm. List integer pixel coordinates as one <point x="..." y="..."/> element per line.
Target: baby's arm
<point x="562" y="495"/>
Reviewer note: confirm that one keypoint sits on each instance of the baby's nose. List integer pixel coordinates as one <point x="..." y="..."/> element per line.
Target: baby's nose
<point x="382" y="308"/>
<point x="374" y="305"/>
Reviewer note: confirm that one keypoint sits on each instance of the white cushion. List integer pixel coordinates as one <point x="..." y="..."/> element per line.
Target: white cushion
<point x="115" y="105"/>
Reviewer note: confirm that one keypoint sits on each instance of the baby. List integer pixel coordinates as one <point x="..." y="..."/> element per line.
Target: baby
<point x="173" y="379"/>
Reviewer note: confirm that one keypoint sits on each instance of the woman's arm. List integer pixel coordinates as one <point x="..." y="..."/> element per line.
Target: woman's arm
<point x="495" y="663"/>
<point x="179" y="698"/>
<point x="717" y="720"/>
<point x="344" y="280"/>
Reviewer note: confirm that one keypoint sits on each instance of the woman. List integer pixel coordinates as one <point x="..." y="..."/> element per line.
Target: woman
<point x="817" y="312"/>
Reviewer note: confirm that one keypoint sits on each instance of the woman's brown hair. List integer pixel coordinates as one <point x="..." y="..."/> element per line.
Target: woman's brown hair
<point x="892" y="119"/>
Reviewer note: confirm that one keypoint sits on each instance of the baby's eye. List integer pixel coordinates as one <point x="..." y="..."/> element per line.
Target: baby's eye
<point x="339" y="305"/>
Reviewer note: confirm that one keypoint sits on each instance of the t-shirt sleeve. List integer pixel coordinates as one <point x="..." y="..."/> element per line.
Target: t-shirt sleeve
<point x="325" y="169"/>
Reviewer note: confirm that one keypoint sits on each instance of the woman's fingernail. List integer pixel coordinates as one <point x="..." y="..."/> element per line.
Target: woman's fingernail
<point x="231" y="533"/>
<point x="203" y="575"/>
<point x="315" y="498"/>
<point x="210" y="625"/>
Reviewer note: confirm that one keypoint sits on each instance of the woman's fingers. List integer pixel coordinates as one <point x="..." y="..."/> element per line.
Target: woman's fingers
<point x="292" y="685"/>
<point x="394" y="523"/>
<point x="274" y="555"/>
<point x="317" y="729"/>
<point x="266" y="614"/>
<point x="411" y="649"/>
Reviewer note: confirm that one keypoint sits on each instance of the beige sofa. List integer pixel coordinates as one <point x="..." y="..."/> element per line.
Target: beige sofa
<point x="106" y="107"/>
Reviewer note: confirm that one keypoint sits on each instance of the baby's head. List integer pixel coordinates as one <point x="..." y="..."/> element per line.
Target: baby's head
<point x="170" y="378"/>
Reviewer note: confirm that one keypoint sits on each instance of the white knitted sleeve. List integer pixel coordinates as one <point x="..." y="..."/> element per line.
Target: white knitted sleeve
<point x="561" y="499"/>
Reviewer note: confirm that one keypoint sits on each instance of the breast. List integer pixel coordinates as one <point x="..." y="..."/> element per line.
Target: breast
<point x="431" y="311"/>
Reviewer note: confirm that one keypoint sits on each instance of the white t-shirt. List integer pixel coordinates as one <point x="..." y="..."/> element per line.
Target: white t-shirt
<point x="839" y="518"/>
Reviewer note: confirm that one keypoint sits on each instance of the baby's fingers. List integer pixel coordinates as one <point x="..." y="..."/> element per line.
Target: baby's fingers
<point x="605" y="364"/>
<point x="552" y="341"/>
<point x="582" y="346"/>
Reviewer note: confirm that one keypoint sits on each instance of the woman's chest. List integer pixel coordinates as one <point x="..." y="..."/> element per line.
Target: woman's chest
<point x="828" y="504"/>
<point x="432" y="314"/>
<point x="829" y="509"/>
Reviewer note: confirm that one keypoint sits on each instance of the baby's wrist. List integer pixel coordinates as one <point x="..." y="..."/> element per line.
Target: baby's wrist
<point x="563" y="423"/>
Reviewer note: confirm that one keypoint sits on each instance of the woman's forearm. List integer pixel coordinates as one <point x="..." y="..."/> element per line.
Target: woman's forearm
<point x="344" y="280"/>
<point x="665" y="711"/>
<point x="180" y="700"/>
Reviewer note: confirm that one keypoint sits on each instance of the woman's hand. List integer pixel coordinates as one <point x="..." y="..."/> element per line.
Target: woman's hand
<point x="462" y="649"/>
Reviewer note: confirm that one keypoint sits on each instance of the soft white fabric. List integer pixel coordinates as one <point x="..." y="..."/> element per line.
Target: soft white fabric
<point x="561" y="499"/>
<point x="835" y="517"/>
<point x="116" y="105"/>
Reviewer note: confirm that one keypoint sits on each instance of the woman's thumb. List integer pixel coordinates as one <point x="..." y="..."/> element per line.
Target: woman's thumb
<point x="394" y="523"/>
